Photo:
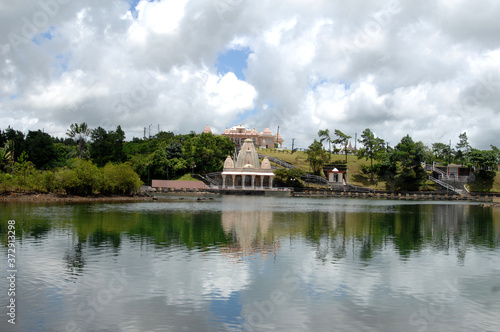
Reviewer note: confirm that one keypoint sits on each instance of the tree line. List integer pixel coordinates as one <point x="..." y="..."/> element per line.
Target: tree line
<point x="89" y="161"/>
<point x="401" y="166"/>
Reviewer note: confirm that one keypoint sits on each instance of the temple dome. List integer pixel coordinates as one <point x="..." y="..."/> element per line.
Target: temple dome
<point x="267" y="132"/>
<point x="207" y="130"/>
<point x="229" y="163"/>
<point x="265" y="164"/>
<point x="248" y="156"/>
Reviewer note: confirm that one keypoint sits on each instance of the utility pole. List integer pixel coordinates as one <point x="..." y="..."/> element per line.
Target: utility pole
<point x="449" y="154"/>
<point x="293" y="141"/>
<point x="277" y="134"/>
<point x="355" y="140"/>
<point x="150" y="131"/>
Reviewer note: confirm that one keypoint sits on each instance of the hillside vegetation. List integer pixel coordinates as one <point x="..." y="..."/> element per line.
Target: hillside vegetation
<point x="357" y="177"/>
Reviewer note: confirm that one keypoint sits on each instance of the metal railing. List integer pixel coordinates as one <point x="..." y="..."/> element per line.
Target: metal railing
<point x="446" y="185"/>
<point x="277" y="161"/>
<point x="213" y="178"/>
<point x="351" y="187"/>
<point x="310" y="178"/>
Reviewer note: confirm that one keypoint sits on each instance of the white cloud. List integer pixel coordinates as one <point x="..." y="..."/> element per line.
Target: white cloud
<point x="428" y="69"/>
<point x="161" y="17"/>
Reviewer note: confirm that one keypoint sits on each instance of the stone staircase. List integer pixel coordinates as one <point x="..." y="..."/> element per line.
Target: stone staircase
<point x="448" y="186"/>
<point x="277" y="161"/>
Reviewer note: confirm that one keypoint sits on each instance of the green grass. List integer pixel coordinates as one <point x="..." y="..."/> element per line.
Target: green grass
<point x="298" y="158"/>
<point x="187" y="177"/>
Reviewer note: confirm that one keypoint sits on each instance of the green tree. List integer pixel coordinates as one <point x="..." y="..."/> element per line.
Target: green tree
<point x="207" y="152"/>
<point x="410" y="156"/>
<point x="174" y="150"/>
<point x="463" y="147"/>
<point x="317" y="157"/>
<point x="373" y="148"/>
<point x="40" y="149"/>
<point x="484" y="159"/>
<point x="324" y="135"/>
<point x="7" y="157"/>
<point x="442" y="152"/>
<point x="343" y="140"/>
<point x="80" y="134"/>
<point x="107" y="146"/>
<point x="23" y="168"/>
<point x="159" y="161"/>
<point x="18" y="143"/>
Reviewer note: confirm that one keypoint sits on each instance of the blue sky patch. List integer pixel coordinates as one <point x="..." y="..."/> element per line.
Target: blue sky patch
<point x="233" y="61"/>
<point x="43" y="36"/>
<point x="243" y="116"/>
<point x="133" y="4"/>
<point x="61" y="62"/>
<point x="228" y="310"/>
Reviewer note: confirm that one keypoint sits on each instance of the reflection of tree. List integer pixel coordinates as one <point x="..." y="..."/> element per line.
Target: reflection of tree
<point x="407" y="235"/>
<point x="39" y="229"/>
<point x="193" y="230"/>
<point x="337" y="232"/>
<point x="99" y="236"/>
<point x="366" y="245"/>
<point x="411" y="227"/>
<point x="74" y="259"/>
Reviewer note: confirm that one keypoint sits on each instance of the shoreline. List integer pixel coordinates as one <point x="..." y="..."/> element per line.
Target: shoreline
<point x="12" y="197"/>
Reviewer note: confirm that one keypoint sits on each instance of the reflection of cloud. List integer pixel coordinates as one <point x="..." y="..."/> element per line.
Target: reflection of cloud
<point x="224" y="278"/>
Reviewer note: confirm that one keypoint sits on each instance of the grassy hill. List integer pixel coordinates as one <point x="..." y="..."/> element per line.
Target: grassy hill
<point x="356" y="176"/>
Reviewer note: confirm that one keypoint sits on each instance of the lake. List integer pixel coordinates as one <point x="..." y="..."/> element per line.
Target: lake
<point x="234" y="263"/>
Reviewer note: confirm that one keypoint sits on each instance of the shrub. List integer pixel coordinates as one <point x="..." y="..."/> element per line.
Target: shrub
<point x="289" y="177"/>
<point x="83" y="178"/>
<point x="120" y="180"/>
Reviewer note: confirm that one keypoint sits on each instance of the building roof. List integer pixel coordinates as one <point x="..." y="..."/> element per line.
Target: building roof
<point x="207" y="130"/>
<point x="248" y="156"/>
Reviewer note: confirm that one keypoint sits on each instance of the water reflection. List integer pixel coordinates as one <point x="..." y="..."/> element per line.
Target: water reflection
<point x="250" y="232"/>
<point x="211" y="266"/>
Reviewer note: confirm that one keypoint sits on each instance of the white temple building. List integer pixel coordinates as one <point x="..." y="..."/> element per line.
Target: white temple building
<point x="248" y="172"/>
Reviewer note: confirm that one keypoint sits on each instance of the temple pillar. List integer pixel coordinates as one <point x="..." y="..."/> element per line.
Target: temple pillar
<point x="270" y="182"/>
<point x="253" y="181"/>
<point x="223" y="181"/>
<point x="243" y="180"/>
<point x="234" y="179"/>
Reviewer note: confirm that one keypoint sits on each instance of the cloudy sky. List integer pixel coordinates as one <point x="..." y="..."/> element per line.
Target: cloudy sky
<point x="429" y="69"/>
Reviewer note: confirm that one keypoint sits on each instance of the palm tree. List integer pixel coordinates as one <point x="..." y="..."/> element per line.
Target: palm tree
<point x="342" y="139"/>
<point x="324" y="135"/>
<point x="80" y="134"/>
<point x="7" y="155"/>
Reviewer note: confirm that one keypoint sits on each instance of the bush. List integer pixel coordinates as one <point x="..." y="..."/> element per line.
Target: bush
<point x="289" y="177"/>
<point x="83" y="178"/>
<point x="120" y="180"/>
<point x="7" y="182"/>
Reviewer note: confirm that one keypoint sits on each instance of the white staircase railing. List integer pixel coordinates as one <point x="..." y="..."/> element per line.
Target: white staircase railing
<point x="446" y="185"/>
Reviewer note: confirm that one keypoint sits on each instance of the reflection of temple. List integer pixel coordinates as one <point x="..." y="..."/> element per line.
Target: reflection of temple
<point x="250" y="231"/>
<point x="248" y="172"/>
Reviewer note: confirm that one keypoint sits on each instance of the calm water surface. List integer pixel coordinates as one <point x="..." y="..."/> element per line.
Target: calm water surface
<point x="254" y="264"/>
